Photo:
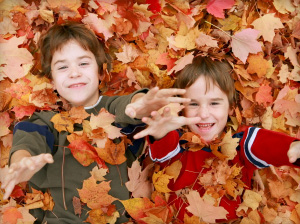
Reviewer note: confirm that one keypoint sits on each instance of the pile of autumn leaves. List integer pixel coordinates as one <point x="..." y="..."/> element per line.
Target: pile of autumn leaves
<point x="148" y="44"/>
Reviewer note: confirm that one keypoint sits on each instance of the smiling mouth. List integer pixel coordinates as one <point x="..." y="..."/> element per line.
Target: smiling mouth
<point x="77" y="85"/>
<point x="205" y="126"/>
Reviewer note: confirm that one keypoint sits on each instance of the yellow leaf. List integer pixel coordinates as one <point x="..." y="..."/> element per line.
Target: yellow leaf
<point x="251" y="199"/>
<point x="174" y="169"/>
<point x="161" y="181"/>
<point x="228" y="145"/>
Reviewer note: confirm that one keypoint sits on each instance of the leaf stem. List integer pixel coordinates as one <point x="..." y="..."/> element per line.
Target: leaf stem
<point x="63" y="179"/>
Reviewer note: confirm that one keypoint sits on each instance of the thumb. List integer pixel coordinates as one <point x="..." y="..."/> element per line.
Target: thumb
<point x="130" y="112"/>
<point x="294" y="152"/>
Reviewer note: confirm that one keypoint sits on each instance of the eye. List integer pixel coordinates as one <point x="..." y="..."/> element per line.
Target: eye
<point x="193" y="104"/>
<point x="84" y="63"/>
<point x="215" y="103"/>
<point x="62" y="67"/>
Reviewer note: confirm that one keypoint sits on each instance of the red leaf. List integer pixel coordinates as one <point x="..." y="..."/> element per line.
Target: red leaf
<point x="21" y="111"/>
<point x="216" y="7"/>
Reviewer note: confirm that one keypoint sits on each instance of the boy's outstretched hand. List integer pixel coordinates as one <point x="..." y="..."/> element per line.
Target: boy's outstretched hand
<point x="294" y="151"/>
<point x="23" y="170"/>
<point x="154" y="100"/>
<point x="159" y="125"/>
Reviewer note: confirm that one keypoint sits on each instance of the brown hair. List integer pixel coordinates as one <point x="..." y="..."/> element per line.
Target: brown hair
<point x="219" y="72"/>
<point x="58" y="35"/>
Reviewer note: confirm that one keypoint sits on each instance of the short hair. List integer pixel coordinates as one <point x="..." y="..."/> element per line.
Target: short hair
<point x="219" y="72"/>
<point x="60" y="34"/>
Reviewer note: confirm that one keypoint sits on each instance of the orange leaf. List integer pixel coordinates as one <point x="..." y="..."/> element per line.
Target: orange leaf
<point x="11" y="215"/>
<point x="62" y="122"/>
<point x="195" y="143"/>
<point x="95" y="195"/>
<point x="257" y="64"/>
<point x="160" y="181"/>
<point x="136" y="207"/>
<point x="78" y="114"/>
<point x="83" y="152"/>
<point x="112" y="153"/>
<point x="264" y="95"/>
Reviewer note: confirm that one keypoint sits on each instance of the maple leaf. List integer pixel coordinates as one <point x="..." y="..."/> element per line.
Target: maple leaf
<point x="181" y="63"/>
<point x="42" y="95"/>
<point x="97" y="216"/>
<point x="99" y="174"/>
<point x="204" y="210"/>
<point x="228" y="145"/>
<point x="113" y="153"/>
<point x="5" y="123"/>
<point x="62" y="122"/>
<point x="78" y="114"/>
<point x="5" y="98"/>
<point x="95" y="195"/>
<point x="136" y="207"/>
<point x="266" y="25"/>
<point x="129" y="53"/>
<point x="216" y="7"/>
<point x="7" y="26"/>
<point x="160" y="181"/>
<point x="21" y="111"/>
<point x="206" y="40"/>
<point x="84" y="153"/>
<point x="187" y="41"/>
<point x="264" y="95"/>
<point x="98" y="25"/>
<point x="16" y="61"/>
<point x="164" y="59"/>
<point x="174" y="169"/>
<point x="138" y="182"/>
<point x="104" y="120"/>
<point x="11" y="215"/>
<point x="258" y="65"/>
<point x="251" y="199"/>
<point x="244" y="42"/>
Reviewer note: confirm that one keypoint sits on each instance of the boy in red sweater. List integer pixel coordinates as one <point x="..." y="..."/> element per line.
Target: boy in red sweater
<point x="210" y="87"/>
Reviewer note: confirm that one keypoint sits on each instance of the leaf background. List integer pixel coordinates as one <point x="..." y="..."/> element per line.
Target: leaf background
<point x="149" y="40"/>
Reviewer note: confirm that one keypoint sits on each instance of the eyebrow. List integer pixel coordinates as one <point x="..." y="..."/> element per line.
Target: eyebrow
<point x="81" y="57"/>
<point x="213" y="99"/>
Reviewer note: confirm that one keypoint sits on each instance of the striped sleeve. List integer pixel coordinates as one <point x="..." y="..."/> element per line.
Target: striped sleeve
<point x="249" y="140"/>
<point x="165" y="148"/>
<point x="263" y="148"/>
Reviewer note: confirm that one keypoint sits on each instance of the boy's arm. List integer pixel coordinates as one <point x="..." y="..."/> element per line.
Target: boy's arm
<point x="262" y="148"/>
<point x="23" y="167"/>
<point x="143" y="104"/>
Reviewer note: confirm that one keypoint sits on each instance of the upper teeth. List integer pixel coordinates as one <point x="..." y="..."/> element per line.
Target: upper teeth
<point x="204" y="125"/>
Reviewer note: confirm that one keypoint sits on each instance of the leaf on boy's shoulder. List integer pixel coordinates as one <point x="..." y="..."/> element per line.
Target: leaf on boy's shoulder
<point x="104" y="120"/>
<point x="78" y="114"/>
<point x="63" y="122"/>
<point x="112" y="153"/>
<point x="194" y="141"/>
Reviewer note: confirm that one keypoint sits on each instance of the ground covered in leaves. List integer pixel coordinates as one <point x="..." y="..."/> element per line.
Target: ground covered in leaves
<point x="149" y="41"/>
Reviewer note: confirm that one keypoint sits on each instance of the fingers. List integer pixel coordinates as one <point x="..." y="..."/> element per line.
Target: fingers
<point x="178" y="100"/>
<point x="164" y="93"/>
<point x="8" y="189"/>
<point x="294" y="151"/>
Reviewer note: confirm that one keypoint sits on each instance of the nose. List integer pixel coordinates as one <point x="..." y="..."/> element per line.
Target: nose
<point x="203" y="112"/>
<point x="74" y="72"/>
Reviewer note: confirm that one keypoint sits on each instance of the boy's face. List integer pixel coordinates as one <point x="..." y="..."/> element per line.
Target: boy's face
<point x="211" y="105"/>
<point x="75" y="74"/>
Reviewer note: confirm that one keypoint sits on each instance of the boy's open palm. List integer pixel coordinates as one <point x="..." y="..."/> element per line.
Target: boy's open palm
<point x="159" y="125"/>
<point x="294" y="151"/>
<point x="23" y="170"/>
<point x="154" y="100"/>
